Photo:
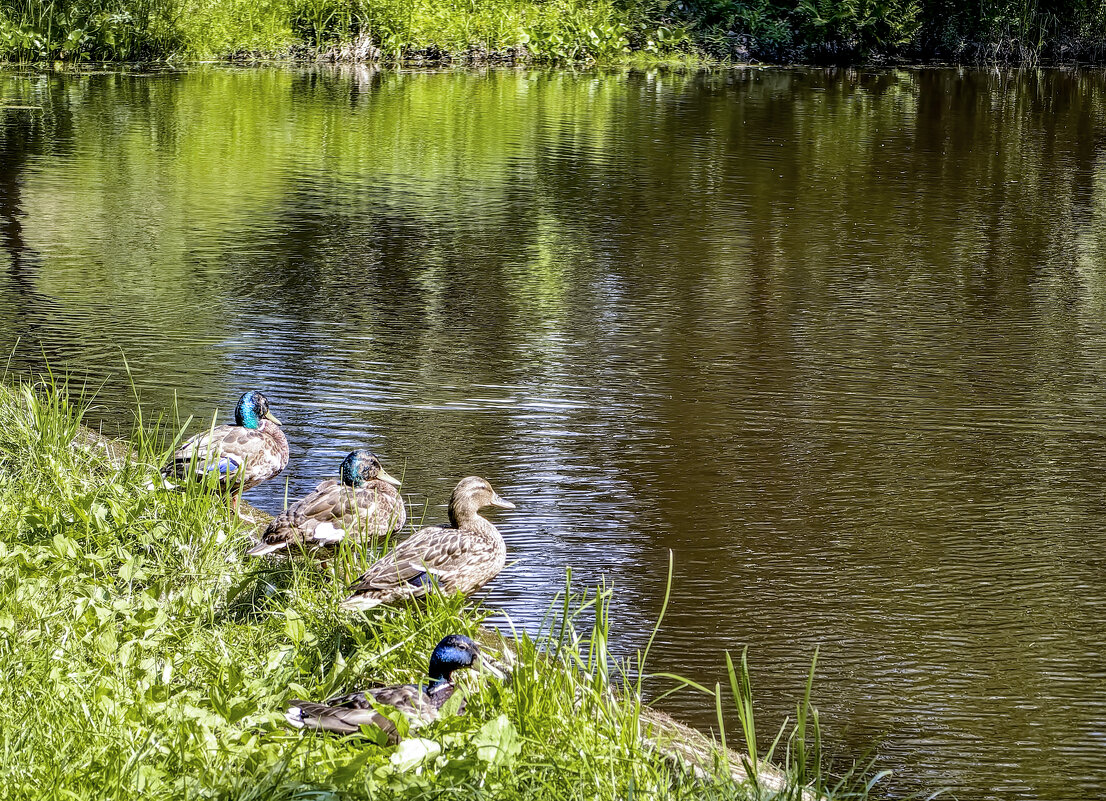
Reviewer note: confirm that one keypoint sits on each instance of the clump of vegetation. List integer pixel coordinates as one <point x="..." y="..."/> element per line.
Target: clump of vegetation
<point x="140" y="655"/>
<point x="135" y="30"/>
<point x="1019" y="31"/>
<point x="102" y="30"/>
<point x="857" y="30"/>
<point x="554" y="30"/>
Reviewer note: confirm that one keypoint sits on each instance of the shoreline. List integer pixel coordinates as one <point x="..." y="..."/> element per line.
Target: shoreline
<point x="828" y="32"/>
<point x="464" y="63"/>
<point x="685" y="747"/>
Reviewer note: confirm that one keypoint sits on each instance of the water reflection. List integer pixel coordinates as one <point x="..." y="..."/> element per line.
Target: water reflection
<point x="833" y="337"/>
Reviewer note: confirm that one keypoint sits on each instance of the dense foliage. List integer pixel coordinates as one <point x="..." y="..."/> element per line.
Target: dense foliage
<point x="555" y="30"/>
<point x="141" y="656"/>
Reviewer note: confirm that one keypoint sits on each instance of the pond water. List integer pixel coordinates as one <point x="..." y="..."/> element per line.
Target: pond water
<point x="835" y="339"/>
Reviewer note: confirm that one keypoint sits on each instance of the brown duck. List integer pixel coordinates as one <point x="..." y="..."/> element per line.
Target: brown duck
<point x="238" y="456"/>
<point x="346" y="714"/>
<point x="363" y="503"/>
<point x="461" y="557"/>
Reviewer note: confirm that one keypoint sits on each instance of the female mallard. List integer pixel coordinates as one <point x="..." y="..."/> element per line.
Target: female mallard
<point x="461" y="557"/>
<point x="346" y="714"/>
<point x="363" y="501"/>
<point x="241" y="456"/>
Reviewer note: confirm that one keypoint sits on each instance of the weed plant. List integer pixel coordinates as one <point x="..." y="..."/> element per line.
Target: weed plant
<point x="142" y="656"/>
<point x="132" y="30"/>
<point x="557" y="30"/>
<point x="103" y="30"/>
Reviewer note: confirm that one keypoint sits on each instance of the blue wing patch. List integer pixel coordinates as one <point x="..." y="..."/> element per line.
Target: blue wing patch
<point x="225" y="466"/>
<point x="423" y="579"/>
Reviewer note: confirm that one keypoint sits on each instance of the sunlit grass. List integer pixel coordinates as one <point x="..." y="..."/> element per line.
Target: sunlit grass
<point x="552" y="30"/>
<point x="140" y="654"/>
<point x="134" y="30"/>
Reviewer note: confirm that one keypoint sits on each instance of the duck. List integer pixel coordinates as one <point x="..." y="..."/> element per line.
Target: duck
<point x="364" y="500"/>
<point x="420" y="704"/>
<point x="241" y="456"/>
<point x="461" y="557"/>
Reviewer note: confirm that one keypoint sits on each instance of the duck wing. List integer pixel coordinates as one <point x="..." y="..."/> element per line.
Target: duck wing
<point x="372" y="510"/>
<point x="412" y="701"/>
<point x="204" y="453"/>
<point x="447" y="556"/>
<point x="346" y="714"/>
<point x="330" y="512"/>
<point x="264" y="451"/>
<point x="297" y="523"/>
<point x="228" y="449"/>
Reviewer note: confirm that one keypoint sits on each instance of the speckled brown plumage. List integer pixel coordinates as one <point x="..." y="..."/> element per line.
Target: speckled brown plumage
<point x="346" y="714"/>
<point x="260" y="453"/>
<point x="363" y="505"/>
<point x="365" y="513"/>
<point x="461" y="557"/>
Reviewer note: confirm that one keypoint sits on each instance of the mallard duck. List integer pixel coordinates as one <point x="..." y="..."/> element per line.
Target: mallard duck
<point x="242" y="456"/>
<point x="363" y="500"/>
<point x="460" y="557"/>
<point x="346" y="714"/>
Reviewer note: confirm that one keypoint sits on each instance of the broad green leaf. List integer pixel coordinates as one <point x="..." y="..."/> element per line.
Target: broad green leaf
<point x="453" y="704"/>
<point x="412" y="753"/>
<point x="348" y="772"/>
<point x="294" y="627"/>
<point x="497" y="742"/>
<point x="107" y="642"/>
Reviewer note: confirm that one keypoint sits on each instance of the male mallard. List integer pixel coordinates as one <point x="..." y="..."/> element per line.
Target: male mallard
<point x="461" y="557"/>
<point x="364" y="501"/>
<point x="241" y="456"/>
<point x="346" y="714"/>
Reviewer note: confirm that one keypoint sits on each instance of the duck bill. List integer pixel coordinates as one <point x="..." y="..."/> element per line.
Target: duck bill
<point x="272" y="417"/>
<point x="485" y="666"/>
<point x="502" y="504"/>
<point x="383" y="476"/>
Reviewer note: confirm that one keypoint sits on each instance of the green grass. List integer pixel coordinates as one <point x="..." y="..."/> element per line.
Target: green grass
<point x="558" y="31"/>
<point x="142" y="656"/>
<point x="133" y="30"/>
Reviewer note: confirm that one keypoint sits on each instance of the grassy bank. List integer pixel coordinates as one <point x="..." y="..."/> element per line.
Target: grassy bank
<point x="141" y="655"/>
<point x="1013" y="31"/>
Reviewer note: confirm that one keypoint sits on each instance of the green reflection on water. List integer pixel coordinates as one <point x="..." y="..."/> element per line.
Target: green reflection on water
<point x="835" y="337"/>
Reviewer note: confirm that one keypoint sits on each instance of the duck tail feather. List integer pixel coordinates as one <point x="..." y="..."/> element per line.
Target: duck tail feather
<point x="362" y="602"/>
<point x="295" y="715"/>
<point x="312" y="715"/>
<point x="262" y="548"/>
<point x="327" y="534"/>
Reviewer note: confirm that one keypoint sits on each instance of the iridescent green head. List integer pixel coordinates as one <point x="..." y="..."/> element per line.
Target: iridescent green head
<point x="361" y="466"/>
<point x="252" y="408"/>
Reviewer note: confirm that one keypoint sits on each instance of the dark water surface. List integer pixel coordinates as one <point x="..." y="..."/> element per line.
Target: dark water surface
<point x="835" y="338"/>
